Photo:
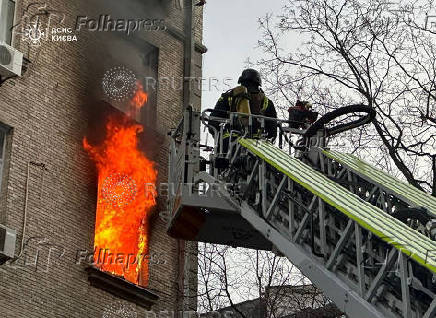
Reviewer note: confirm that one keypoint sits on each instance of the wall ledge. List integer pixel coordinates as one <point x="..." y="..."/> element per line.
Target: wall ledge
<point x="121" y="288"/>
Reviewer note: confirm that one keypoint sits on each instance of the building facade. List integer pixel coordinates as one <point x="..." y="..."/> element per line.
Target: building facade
<point x="49" y="190"/>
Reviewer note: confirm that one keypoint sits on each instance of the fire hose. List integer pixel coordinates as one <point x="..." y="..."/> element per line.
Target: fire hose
<point x="327" y="118"/>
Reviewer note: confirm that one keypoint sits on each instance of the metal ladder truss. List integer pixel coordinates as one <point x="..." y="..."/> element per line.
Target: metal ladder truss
<point x="368" y="263"/>
<point x="372" y="184"/>
<point x="337" y="233"/>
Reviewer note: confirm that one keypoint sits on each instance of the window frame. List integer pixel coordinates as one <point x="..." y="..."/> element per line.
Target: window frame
<point x="3" y="143"/>
<point x="6" y="144"/>
<point x="4" y="30"/>
<point x="14" y="19"/>
<point x="148" y="113"/>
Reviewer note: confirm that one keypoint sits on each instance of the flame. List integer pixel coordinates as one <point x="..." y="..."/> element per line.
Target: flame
<point x="140" y="97"/>
<point x="125" y="201"/>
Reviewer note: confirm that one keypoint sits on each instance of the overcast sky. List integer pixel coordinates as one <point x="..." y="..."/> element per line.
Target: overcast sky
<point x="231" y="32"/>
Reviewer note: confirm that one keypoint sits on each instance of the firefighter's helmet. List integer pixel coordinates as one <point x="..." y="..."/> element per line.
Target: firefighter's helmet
<point x="250" y="75"/>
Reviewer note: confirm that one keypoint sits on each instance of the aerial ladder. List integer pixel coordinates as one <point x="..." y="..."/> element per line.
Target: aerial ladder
<point x="365" y="238"/>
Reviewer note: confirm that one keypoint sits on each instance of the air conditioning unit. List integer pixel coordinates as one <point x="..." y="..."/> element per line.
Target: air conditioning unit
<point x="11" y="61"/>
<point x="7" y="243"/>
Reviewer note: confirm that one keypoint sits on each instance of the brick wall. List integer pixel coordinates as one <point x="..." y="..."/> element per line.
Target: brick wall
<point x="49" y="108"/>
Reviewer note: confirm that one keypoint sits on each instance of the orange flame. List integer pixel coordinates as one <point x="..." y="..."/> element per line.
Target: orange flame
<point x="125" y="201"/>
<point x="140" y="97"/>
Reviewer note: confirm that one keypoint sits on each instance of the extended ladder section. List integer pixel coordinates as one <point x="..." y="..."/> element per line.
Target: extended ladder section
<point x="378" y="266"/>
<point x="327" y="214"/>
<point x="384" y="188"/>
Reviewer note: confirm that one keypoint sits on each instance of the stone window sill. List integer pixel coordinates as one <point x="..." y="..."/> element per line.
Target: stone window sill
<point x="121" y="288"/>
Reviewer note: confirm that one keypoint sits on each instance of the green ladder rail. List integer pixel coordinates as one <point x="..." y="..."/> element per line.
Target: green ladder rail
<point x="391" y="185"/>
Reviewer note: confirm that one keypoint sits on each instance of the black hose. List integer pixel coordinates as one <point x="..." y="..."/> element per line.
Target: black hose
<point x="320" y="123"/>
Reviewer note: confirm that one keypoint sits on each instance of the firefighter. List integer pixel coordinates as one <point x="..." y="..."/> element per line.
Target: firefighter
<point x="247" y="98"/>
<point x="301" y="115"/>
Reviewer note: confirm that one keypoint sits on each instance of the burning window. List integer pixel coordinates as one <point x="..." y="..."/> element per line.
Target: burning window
<point x="126" y="196"/>
<point x="125" y="62"/>
<point x="120" y="105"/>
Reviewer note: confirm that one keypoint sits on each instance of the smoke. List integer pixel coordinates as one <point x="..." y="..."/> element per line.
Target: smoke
<point x="110" y="49"/>
<point x="106" y="50"/>
<point x="135" y="8"/>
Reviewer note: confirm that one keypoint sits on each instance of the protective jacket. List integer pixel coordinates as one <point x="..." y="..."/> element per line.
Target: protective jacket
<point x="259" y="105"/>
